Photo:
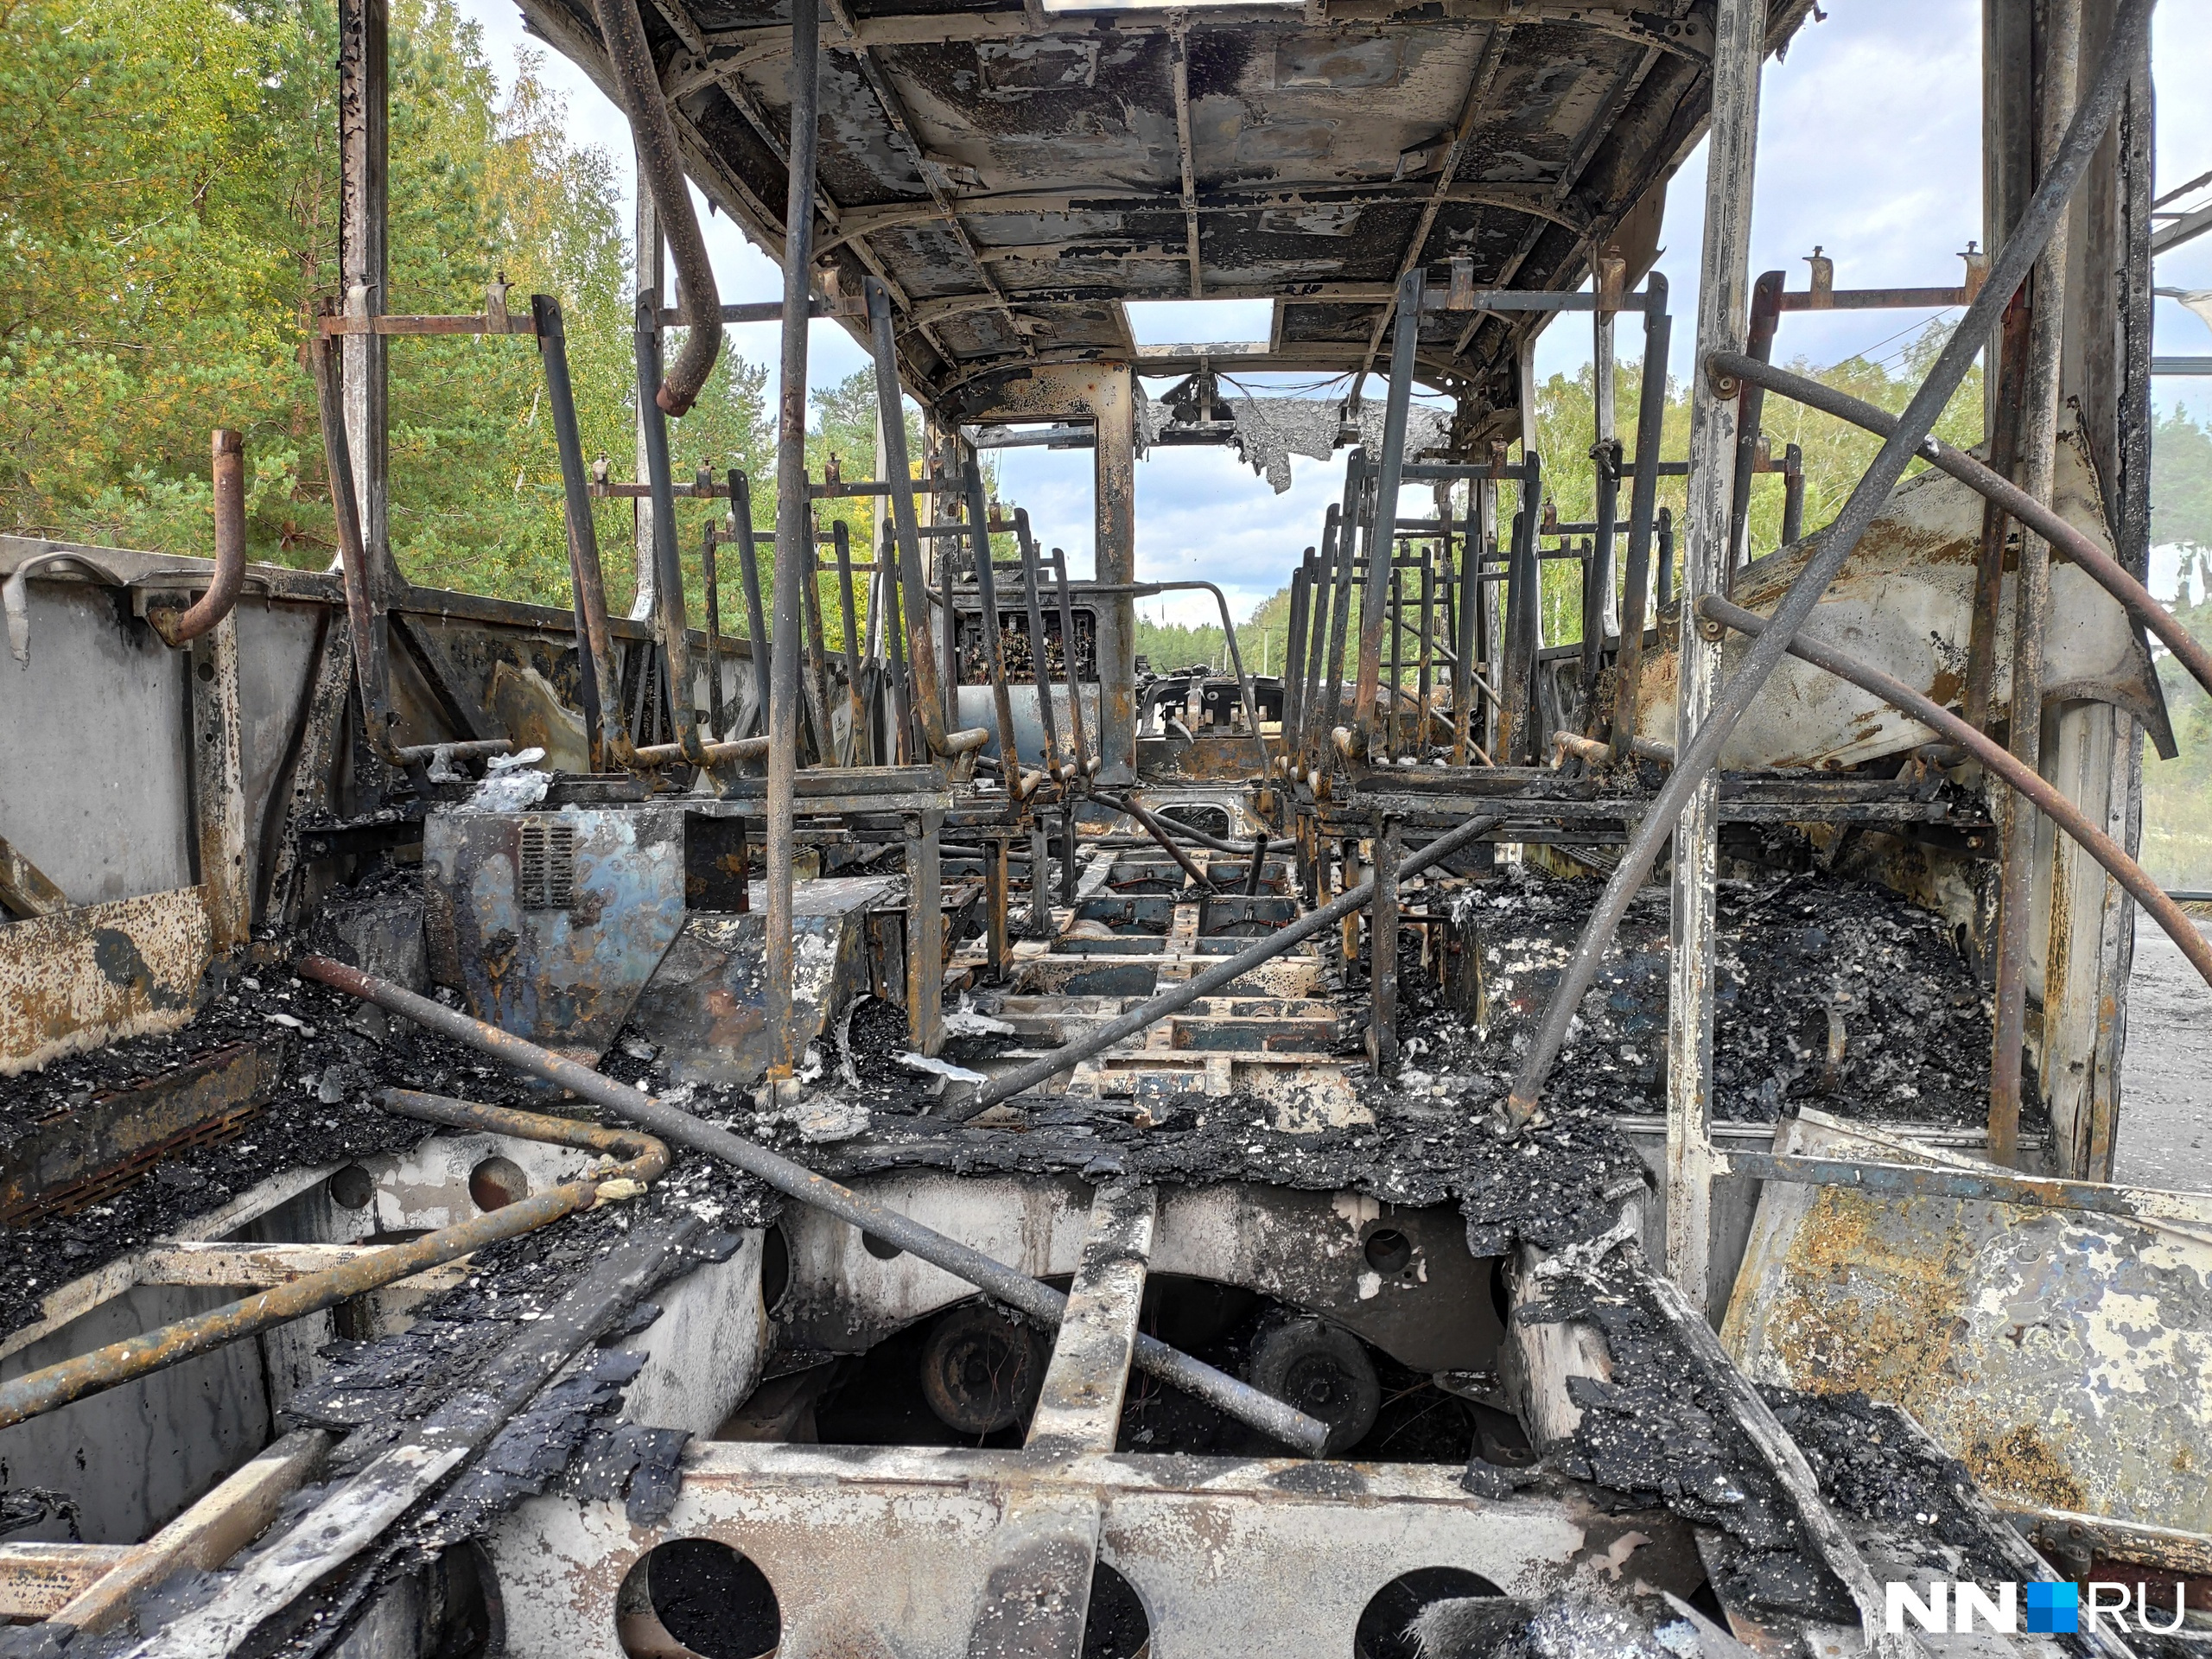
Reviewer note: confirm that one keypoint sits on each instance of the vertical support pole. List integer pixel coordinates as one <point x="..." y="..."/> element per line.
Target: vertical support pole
<point x="748" y="572"/>
<point x="987" y="599"/>
<point x="1487" y="631"/>
<point x="1040" y="672"/>
<point x="1382" y="952"/>
<point x="1518" y="744"/>
<point x="1468" y="609"/>
<point x="925" y="930"/>
<point x="794" y="528"/>
<point x="1069" y="868"/>
<point x="1332" y="693"/>
<point x="814" y="653"/>
<point x="1395" y="624"/>
<point x="1114" y="463"/>
<point x="1424" y="681"/>
<point x="1643" y="495"/>
<point x="1382" y="530"/>
<point x="1069" y="663"/>
<point x="903" y="746"/>
<point x="1041" y="881"/>
<point x="1793" y="494"/>
<point x="669" y="625"/>
<point x="364" y="197"/>
<point x="998" y="942"/>
<point x="652" y="276"/>
<point x="1351" y="879"/>
<point x="711" y="595"/>
<point x="841" y="539"/>
<point x="218" y="786"/>
<point x="1724" y="294"/>
<point x="594" y="647"/>
<point x="1320" y="611"/>
<point x="1606" y="453"/>
<point x="1294" y="655"/>
<point x="2060" y="74"/>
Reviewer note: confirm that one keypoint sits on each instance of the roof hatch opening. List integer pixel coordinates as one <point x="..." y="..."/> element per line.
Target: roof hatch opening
<point x="1198" y="322"/>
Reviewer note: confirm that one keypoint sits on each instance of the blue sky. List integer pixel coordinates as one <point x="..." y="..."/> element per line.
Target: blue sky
<point x="1869" y="138"/>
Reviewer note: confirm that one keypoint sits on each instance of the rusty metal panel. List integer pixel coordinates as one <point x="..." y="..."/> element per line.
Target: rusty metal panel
<point x="86" y="977"/>
<point x="2061" y="1355"/>
<point x="110" y="1142"/>
<point x="551" y="923"/>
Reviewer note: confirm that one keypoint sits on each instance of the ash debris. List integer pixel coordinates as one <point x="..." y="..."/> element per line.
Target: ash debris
<point x="1829" y="993"/>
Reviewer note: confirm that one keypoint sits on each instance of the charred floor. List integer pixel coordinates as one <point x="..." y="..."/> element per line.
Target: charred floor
<point x="542" y="1132"/>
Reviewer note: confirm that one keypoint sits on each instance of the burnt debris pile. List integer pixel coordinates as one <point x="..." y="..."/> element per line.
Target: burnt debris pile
<point x="1829" y="994"/>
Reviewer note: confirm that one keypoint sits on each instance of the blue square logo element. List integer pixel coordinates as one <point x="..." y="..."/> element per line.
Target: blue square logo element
<point x="2053" y="1608"/>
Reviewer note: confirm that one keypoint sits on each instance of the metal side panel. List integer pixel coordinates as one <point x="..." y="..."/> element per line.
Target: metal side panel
<point x="2061" y="1355"/>
<point x="86" y="977"/>
<point x="551" y="923"/>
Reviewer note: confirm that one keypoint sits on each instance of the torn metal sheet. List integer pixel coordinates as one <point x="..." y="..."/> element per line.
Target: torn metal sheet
<point x="1904" y="603"/>
<point x="85" y="977"/>
<point x="2061" y="1355"/>
<point x="551" y="923"/>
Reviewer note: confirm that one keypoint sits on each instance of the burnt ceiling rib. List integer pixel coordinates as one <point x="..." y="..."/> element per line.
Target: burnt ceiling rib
<point x="1014" y="173"/>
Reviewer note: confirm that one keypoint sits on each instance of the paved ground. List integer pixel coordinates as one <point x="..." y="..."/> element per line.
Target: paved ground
<point x="2166" y="1092"/>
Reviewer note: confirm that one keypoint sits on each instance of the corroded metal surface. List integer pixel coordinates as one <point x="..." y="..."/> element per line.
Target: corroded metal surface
<point x="85" y="977"/>
<point x="110" y="1141"/>
<point x="2062" y="1355"/>
<point x="896" y="1544"/>
<point x="551" y="923"/>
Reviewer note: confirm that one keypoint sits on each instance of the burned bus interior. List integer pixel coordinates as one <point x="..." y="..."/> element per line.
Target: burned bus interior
<point x="1567" y="1110"/>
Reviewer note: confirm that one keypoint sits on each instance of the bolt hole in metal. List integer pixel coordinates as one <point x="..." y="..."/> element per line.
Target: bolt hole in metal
<point x="1388" y="1251"/>
<point x="351" y="1187"/>
<point x="498" y="1182"/>
<point x="1433" y="1593"/>
<point x="697" y="1599"/>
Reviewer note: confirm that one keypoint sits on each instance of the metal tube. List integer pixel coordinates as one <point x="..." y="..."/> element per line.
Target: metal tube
<point x="710" y="754"/>
<point x="1017" y="1290"/>
<point x="1766" y="312"/>
<point x="921" y="652"/>
<point x="1425" y="680"/>
<point x="1383" y="521"/>
<point x="748" y="571"/>
<point x="2011" y="343"/>
<point x="1468" y="609"/>
<point x="2016" y="774"/>
<point x="841" y="539"/>
<point x="2039" y="516"/>
<point x="1152" y="827"/>
<point x="1395" y="628"/>
<point x="1018" y="784"/>
<point x="372" y="634"/>
<point x="894" y="643"/>
<point x="1316" y="653"/>
<point x="229" y="578"/>
<point x="1643" y="495"/>
<point x="41" y="1390"/>
<point x="711" y="592"/>
<point x="1259" y="861"/>
<point x="1793" y="495"/>
<point x="1226" y="972"/>
<point x="1040" y="672"/>
<point x="602" y="683"/>
<point x="1236" y="656"/>
<point x="669" y="620"/>
<point x="1324" y="717"/>
<point x="1068" y="656"/>
<point x="2131" y="18"/>
<point x="814" y="655"/>
<point x="1294" y="653"/>
<point x="637" y="84"/>
<point x="1523" y="620"/>
<point x="1174" y="827"/>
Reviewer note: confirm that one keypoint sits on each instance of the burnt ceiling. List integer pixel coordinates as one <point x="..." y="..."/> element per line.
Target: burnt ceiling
<point x="1014" y="173"/>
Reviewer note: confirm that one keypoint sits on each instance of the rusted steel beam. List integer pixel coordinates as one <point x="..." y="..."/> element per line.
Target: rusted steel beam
<point x="1033" y="602"/>
<point x="24" y="889"/>
<point x="841" y="541"/>
<point x="2130" y="20"/>
<point x="660" y="162"/>
<point x="794" y="1180"/>
<point x="28" y="1395"/>
<point x="2015" y="773"/>
<point x="372" y="637"/>
<point x="602" y="685"/>
<point x="206" y="1536"/>
<point x="1080" y="1405"/>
